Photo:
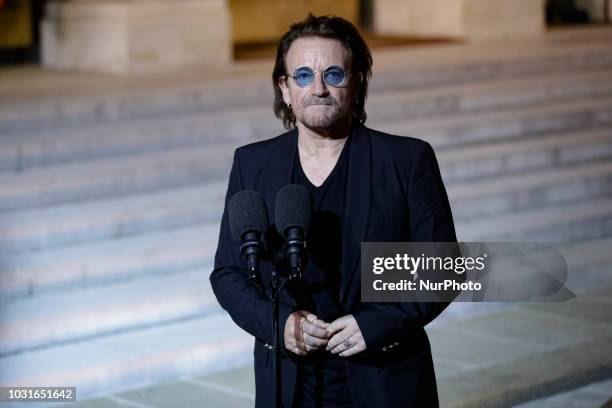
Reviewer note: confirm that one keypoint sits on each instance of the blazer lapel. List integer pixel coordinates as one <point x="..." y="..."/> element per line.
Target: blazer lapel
<point x="357" y="211"/>
<point x="277" y="172"/>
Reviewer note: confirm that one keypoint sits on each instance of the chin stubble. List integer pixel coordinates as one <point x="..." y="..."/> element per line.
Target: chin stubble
<point x="326" y="119"/>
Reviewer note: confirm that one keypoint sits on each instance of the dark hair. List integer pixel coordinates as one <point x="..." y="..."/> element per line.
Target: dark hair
<point x="335" y="28"/>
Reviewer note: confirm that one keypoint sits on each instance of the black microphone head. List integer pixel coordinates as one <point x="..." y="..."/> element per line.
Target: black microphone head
<point x="247" y="212"/>
<point x="293" y="208"/>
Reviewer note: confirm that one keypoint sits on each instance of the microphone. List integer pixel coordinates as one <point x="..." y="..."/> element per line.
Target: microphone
<point x="248" y="219"/>
<point x="293" y="213"/>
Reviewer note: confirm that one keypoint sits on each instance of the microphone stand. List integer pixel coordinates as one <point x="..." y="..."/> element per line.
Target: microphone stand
<point x="280" y="264"/>
<point x="276" y="288"/>
<point x="277" y="284"/>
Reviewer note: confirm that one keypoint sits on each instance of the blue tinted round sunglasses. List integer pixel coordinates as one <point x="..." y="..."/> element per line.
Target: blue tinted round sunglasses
<point x="333" y="76"/>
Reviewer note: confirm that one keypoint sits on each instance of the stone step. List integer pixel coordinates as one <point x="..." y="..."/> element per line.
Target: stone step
<point x="133" y="358"/>
<point x="57" y="145"/>
<point x="501" y="349"/>
<point x="452" y="132"/>
<point x="114" y="218"/>
<point x="494" y="65"/>
<point x="46" y="228"/>
<point x="51" y="319"/>
<point x="583" y="221"/>
<point x="515" y="355"/>
<point x="595" y="394"/>
<point x="119" y="100"/>
<point x="131" y="333"/>
<point x="89" y="263"/>
<point x="497" y="159"/>
<point x="111" y="218"/>
<point x="588" y="266"/>
<point x="104" y="262"/>
<point x="489" y="96"/>
<point x="544" y="189"/>
<point x="115" y="176"/>
<point x="43" y="228"/>
<point x="124" y="353"/>
<point x="120" y="216"/>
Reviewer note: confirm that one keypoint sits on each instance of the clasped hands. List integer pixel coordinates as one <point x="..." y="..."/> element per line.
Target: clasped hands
<point x="305" y="333"/>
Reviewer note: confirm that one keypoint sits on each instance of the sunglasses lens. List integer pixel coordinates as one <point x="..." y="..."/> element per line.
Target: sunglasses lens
<point x="303" y="76"/>
<point x="334" y="76"/>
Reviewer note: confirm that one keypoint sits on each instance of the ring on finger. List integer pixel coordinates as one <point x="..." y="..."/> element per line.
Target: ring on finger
<point x="347" y="344"/>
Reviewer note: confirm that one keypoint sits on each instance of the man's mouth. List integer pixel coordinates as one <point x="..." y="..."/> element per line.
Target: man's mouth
<point x="319" y="102"/>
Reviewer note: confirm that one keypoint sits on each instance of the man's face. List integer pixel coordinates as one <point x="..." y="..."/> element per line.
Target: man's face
<point x="318" y="106"/>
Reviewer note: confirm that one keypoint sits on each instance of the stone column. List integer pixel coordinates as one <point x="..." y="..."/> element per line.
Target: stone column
<point x="473" y="20"/>
<point x="596" y="9"/>
<point x="136" y="36"/>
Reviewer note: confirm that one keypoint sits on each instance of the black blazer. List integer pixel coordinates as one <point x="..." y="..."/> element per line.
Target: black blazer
<point x="394" y="193"/>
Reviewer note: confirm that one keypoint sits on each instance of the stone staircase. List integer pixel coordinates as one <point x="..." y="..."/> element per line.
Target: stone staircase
<point x="110" y="202"/>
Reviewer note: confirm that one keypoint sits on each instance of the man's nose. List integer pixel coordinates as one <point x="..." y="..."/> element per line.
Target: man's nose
<point x="319" y="87"/>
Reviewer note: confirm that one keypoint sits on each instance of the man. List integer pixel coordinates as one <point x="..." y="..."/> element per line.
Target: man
<point x="367" y="186"/>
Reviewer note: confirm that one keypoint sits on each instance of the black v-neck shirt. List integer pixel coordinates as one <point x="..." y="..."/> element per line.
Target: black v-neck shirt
<point x="323" y="380"/>
<point x="322" y="274"/>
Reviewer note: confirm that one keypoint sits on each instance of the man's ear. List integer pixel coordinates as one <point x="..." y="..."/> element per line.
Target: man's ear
<point x="282" y="84"/>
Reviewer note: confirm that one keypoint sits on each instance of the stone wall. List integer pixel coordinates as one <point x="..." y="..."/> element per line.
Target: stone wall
<point x="473" y="20"/>
<point x="136" y="36"/>
<point x="595" y="8"/>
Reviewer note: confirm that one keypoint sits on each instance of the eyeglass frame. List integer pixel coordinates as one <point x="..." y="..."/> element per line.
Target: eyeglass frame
<point x="340" y="85"/>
